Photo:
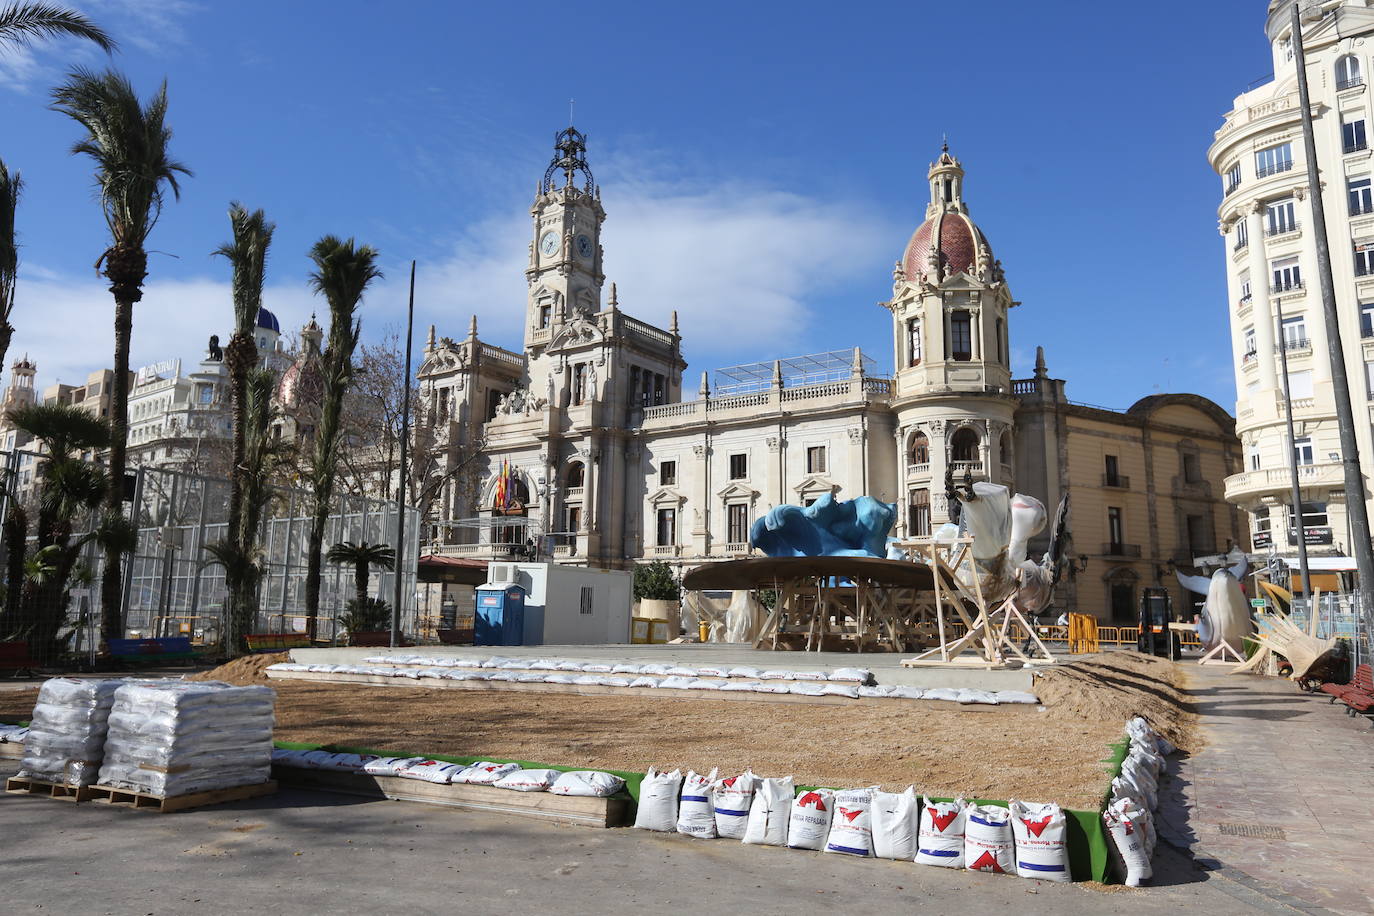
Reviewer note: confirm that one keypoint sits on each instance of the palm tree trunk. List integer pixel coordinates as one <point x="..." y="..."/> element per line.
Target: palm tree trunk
<point x="360" y="577"/>
<point x="239" y="357"/>
<point x="125" y="267"/>
<point x="16" y="539"/>
<point x="314" y="552"/>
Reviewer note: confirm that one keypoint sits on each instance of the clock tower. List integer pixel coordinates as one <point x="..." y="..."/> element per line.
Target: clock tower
<point x="565" y="271"/>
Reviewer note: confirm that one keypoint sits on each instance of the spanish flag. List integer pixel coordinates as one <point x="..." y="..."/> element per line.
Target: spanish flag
<point x="502" y="488"/>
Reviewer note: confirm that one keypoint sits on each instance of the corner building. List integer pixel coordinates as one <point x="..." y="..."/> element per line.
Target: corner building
<point x="1270" y="255"/>
<point x="612" y="464"/>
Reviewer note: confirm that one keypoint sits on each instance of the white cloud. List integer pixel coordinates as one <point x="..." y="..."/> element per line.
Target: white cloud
<point x="149" y="24"/>
<point x="738" y="263"/>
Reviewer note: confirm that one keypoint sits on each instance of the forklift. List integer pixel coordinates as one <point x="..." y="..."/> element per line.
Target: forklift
<point x="1156" y="613"/>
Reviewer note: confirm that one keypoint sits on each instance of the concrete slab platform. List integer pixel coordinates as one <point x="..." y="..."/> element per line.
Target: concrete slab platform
<point x="886" y="666"/>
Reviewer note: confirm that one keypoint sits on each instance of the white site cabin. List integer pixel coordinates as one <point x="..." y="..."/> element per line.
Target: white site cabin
<point x="569" y="605"/>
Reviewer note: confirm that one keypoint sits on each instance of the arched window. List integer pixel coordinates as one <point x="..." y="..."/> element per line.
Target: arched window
<point x="576" y="477"/>
<point x="964" y="445"/>
<point x="920" y="449"/>
<point x="913" y="341"/>
<point x="1348" y="74"/>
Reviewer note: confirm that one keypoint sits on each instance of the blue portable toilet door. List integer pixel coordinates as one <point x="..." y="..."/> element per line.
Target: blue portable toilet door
<point x="488" y="622"/>
<point x="513" y="616"/>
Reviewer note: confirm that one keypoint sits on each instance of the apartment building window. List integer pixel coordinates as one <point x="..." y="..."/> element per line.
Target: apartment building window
<point x="1245" y="287"/>
<point x="913" y="341"/>
<point x="1233" y="178"/>
<point x="1280" y="217"/>
<point x="739" y="467"/>
<point x="574" y="518"/>
<point x="920" y="449"/>
<point x="1287" y="274"/>
<point x="1286" y="49"/>
<point x="545" y="313"/>
<point x="579" y="392"/>
<point x="1361" y="196"/>
<point x="667" y="474"/>
<point x="1242" y="234"/>
<point x="1352" y="135"/>
<point x="1273" y="160"/>
<point x="1367" y="319"/>
<point x="737" y="523"/>
<point x="1252" y="457"/>
<point x="1111" y="471"/>
<point x="815" y="459"/>
<point x="1300" y="384"/>
<point x="1293" y="332"/>
<point x="1369" y="379"/>
<point x="1248" y="343"/>
<point x="667" y="527"/>
<point x="918" y="505"/>
<point x="1115" y="531"/>
<point x="961" y="336"/>
<point x="1348" y="74"/>
<point x="1364" y="259"/>
<point x="1302" y="450"/>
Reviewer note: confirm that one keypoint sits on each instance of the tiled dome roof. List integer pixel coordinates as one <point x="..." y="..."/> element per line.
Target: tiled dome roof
<point x="959" y="239"/>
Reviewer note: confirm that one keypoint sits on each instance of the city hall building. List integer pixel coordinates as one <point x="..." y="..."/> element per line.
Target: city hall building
<point x="609" y="462"/>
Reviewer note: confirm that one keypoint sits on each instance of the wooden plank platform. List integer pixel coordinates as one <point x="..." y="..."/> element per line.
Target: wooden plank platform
<point x="13" y="750"/>
<point x="144" y="801"/>
<point x="567" y="809"/>
<point x="48" y="789"/>
<point x="652" y="693"/>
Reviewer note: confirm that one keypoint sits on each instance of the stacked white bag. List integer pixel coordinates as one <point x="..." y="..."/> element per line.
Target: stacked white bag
<point x="1129" y="817"/>
<point x="66" y="737"/>
<point x="171" y="738"/>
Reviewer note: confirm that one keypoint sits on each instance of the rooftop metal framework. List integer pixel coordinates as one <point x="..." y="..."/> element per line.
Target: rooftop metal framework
<point x="796" y="371"/>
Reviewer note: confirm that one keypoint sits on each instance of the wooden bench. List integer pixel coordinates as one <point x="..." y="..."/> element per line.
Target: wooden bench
<point x="1359" y="697"/>
<point x="1360" y="683"/>
<point x="14" y="656"/>
<point x="164" y="648"/>
<point x="276" y="642"/>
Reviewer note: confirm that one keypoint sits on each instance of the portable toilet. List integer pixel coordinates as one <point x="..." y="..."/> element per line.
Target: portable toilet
<point x="500" y="618"/>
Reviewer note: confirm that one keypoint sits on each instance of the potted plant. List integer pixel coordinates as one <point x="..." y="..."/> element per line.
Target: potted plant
<point x="659" y="595"/>
<point x="367" y="622"/>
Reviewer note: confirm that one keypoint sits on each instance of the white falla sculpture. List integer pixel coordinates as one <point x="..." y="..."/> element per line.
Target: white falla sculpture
<point x="1225" y="615"/>
<point x="1002" y="525"/>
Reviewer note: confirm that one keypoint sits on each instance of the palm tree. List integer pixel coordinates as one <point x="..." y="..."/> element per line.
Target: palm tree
<point x="247" y="253"/>
<point x="342" y="273"/>
<point x="10" y="186"/>
<point x="129" y="143"/>
<point x="363" y="556"/>
<point x="22" y="23"/>
<point x="71" y="490"/>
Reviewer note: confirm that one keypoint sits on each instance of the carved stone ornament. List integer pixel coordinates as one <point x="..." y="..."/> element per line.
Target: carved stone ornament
<point x="773" y="444"/>
<point x="936" y="427"/>
<point x="699" y="451"/>
<point x="856" y="433"/>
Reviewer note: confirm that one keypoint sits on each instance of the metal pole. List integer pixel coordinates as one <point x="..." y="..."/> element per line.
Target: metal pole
<point x="129" y="560"/>
<point x="1299" y="522"/>
<point x="1357" y="512"/>
<point x="405" y="457"/>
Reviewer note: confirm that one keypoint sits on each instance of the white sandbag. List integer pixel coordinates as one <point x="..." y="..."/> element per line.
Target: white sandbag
<point x="809" y="823"/>
<point x="658" y="794"/>
<point x="807" y="675"/>
<point x="597" y="668"/>
<point x="745" y="686"/>
<point x="857" y="675"/>
<point x="517" y="664"/>
<point x="480" y="674"/>
<point x="682" y="671"/>
<point x="744" y="671"/>
<point x="841" y="690"/>
<point x="894" y="822"/>
<point x="806" y="688"/>
<point x="1152" y="761"/>
<point x="676" y="682"/>
<point x="656" y="669"/>
<point x="941" y="693"/>
<point x="878" y="690"/>
<point x="775" y="674"/>
<point x="941" y="837"/>
<point x="1016" y="696"/>
<point x="769" y="812"/>
<point x="968" y="695"/>
<point x="988" y="842"/>
<point x="703" y="684"/>
<point x="499" y="675"/>
<point x="645" y="681"/>
<point x="851" y="828"/>
<point x="436" y="673"/>
<point x="1122" y="819"/>
<point x="528" y="780"/>
<point x="546" y="664"/>
<point x="1136" y="774"/>
<point x="730" y="801"/>
<point x="694" y="814"/>
<point x="572" y="667"/>
<point x="590" y="680"/>
<point x="712" y="671"/>
<point x="907" y="692"/>
<point x="1040" y="832"/>
<point x="484" y="773"/>
<point x="558" y="679"/>
<point x="388" y="766"/>
<point x="431" y="771"/>
<point x="592" y="783"/>
<point x="772" y="687"/>
<point x="627" y="668"/>
<point x="611" y="680"/>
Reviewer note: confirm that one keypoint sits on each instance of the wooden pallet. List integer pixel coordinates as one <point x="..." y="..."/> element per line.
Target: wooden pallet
<point x="565" y="809"/>
<point x="12" y="749"/>
<point x="48" y="789"/>
<point x="144" y="801"/>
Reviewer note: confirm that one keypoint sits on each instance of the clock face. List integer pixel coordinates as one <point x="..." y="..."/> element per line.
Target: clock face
<point x="584" y="246"/>
<point x="548" y="244"/>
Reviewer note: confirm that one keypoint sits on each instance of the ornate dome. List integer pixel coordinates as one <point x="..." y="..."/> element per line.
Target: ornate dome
<point x="301" y="383"/>
<point x="948" y="242"/>
<point x="267" y="320"/>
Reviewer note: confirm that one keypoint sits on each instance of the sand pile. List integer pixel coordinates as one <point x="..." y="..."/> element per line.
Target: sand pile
<point x="1115" y="686"/>
<point x="243" y="672"/>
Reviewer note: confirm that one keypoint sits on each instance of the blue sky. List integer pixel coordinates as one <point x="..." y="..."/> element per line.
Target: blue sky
<point x="760" y="163"/>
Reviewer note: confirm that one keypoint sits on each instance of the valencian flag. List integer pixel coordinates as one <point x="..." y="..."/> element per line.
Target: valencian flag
<point x="503" y="494"/>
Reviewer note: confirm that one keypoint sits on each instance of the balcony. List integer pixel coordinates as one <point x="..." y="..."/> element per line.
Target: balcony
<point x="1120" y="550"/>
<point x="737" y="549"/>
<point x="1231" y="187"/>
<point x="1353" y="82"/>
<point x="1265" y="171"/>
<point x="663" y="550"/>
<point x="1116" y="481"/>
<point x="1277" y="480"/>
<point x="1241" y="245"/>
<point x="1357" y="146"/>
<point x="1249" y="357"/>
<point x="1287" y="286"/>
<point x="963" y="468"/>
<point x="918" y="470"/>
<point x="1360" y="208"/>
<point x="1276" y="231"/>
<point x="1294" y="345"/>
<point x="572" y="493"/>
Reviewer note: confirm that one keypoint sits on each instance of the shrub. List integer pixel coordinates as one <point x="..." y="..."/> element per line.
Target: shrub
<point x="654" y="582"/>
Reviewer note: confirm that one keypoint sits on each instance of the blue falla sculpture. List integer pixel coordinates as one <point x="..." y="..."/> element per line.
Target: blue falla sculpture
<point x="826" y="528"/>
